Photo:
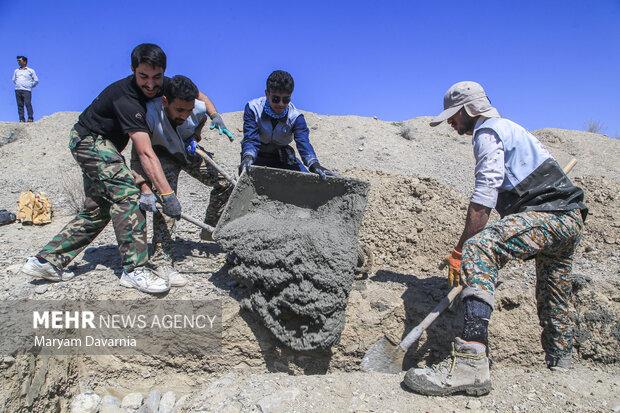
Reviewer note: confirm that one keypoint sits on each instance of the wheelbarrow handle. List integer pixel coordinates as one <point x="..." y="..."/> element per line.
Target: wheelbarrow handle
<point x="192" y="220"/>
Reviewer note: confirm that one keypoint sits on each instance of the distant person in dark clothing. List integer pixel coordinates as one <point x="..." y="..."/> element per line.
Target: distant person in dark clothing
<point x="24" y="79"/>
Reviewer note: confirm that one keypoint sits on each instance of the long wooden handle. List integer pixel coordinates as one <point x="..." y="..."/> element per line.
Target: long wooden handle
<point x="197" y="223"/>
<point x="192" y="220"/>
<point x="415" y="334"/>
<point x="211" y="162"/>
<point x="569" y="166"/>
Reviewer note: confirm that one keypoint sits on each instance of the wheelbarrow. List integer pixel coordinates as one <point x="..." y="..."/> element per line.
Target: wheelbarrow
<point x="294" y="237"/>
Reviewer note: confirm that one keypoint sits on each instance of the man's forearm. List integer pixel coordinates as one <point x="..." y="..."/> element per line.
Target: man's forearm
<point x="149" y="161"/>
<point x="211" y="110"/>
<point x="153" y="170"/>
<point x="477" y="218"/>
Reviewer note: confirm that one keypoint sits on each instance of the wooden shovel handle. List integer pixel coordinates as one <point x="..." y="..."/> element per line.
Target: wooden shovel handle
<point x="211" y="162"/>
<point x="415" y="334"/>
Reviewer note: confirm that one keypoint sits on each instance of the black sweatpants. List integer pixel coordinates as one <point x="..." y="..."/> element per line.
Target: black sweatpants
<point x="24" y="97"/>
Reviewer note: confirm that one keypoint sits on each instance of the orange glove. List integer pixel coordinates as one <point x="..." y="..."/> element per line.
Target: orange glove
<point x="454" y="270"/>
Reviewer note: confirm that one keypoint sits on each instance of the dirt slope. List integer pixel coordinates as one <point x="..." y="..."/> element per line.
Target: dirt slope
<point x="420" y="180"/>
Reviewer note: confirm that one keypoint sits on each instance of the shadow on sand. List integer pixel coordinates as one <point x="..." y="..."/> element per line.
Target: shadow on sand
<point x="419" y="299"/>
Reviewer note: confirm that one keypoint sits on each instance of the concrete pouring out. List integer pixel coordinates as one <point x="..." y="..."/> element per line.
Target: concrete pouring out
<point x="295" y="239"/>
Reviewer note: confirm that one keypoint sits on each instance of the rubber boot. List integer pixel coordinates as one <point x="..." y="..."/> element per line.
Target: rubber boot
<point x="465" y="371"/>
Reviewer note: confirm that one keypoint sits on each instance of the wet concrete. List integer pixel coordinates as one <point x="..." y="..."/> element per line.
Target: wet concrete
<point x="296" y="242"/>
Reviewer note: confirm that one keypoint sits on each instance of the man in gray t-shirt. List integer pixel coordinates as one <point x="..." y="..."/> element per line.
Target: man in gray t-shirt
<point x="24" y="79"/>
<point x="175" y="121"/>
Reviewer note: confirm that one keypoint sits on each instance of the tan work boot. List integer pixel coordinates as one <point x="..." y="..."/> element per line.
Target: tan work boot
<point x="465" y="371"/>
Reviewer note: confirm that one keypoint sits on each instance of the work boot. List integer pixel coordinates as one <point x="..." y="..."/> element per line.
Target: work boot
<point x="465" y="371"/>
<point x="40" y="268"/>
<point x="144" y="280"/>
<point x="559" y="363"/>
<point x="167" y="272"/>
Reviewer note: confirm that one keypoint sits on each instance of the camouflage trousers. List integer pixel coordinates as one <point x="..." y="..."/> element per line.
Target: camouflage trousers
<point x="164" y="251"/>
<point x="110" y="194"/>
<point x="548" y="237"/>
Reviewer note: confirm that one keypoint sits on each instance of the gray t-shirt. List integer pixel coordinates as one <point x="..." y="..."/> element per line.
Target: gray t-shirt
<point x="164" y="136"/>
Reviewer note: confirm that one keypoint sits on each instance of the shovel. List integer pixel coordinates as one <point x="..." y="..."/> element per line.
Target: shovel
<point x="211" y="162"/>
<point x="192" y="220"/>
<point x="387" y="354"/>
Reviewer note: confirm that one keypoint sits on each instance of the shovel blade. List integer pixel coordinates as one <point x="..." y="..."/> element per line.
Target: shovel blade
<point x="385" y="356"/>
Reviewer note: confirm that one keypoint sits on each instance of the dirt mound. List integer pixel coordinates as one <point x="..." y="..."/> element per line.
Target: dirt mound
<point x="411" y="223"/>
<point x="603" y="221"/>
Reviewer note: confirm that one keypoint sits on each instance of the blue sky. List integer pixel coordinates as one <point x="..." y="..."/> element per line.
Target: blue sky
<point x="543" y="63"/>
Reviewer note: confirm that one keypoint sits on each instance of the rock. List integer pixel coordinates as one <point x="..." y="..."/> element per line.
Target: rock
<point x="132" y="402"/>
<point x="41" y="289"/>
<point x="8" y="360"/>
<point x="151" y="403"/>
<point x="109" y="400"/>
<point x="85" y="403"/>
<point x="112" y="409"/>
<point x="277" y="402"/>
<point x="166" y="403"/>
<point x="110" y="404"/>
<point x="616" y="408"/>
<point x="473" y="404"/>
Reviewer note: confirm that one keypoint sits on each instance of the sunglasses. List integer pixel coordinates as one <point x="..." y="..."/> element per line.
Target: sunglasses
<point x="276" y="99"/>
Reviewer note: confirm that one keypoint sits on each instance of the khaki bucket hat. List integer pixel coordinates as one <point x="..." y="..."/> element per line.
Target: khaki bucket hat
<point x="466" y="94"/>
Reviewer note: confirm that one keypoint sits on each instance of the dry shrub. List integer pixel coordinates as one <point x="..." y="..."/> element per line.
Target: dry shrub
<point x="73" y="190"/>
<point x="594" y="126"/>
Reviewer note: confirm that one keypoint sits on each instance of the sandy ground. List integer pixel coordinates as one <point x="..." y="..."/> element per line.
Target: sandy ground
<point x="420" y="179"/>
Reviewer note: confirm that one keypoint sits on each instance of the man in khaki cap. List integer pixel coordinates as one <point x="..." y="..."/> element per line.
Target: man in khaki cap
<point x="542" y="218"/>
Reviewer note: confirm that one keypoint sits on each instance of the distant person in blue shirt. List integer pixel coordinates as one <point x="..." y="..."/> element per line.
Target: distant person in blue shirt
<point x="270" y="124"/>
<point x="24" y="79"/>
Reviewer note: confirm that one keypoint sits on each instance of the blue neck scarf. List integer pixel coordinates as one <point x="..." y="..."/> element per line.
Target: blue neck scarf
<point x="270" y="112"/>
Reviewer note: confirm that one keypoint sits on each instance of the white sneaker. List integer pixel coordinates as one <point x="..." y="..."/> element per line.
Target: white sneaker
<point x="175" y="278"/>
<point x="44" y="270"/>
<point x="144" y="280"/>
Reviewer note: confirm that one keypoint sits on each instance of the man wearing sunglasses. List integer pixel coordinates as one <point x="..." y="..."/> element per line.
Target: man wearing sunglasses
<point x="270" y="124"/>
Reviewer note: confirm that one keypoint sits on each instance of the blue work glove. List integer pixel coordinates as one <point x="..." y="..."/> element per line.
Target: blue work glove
<point x="218" y="123"/>
<point x="171" y="205"/>
<point x="191" y="145"/>
<point x="246" y="162"/>
<point x="148" y="202"/>
<point x="323" y="173"/>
